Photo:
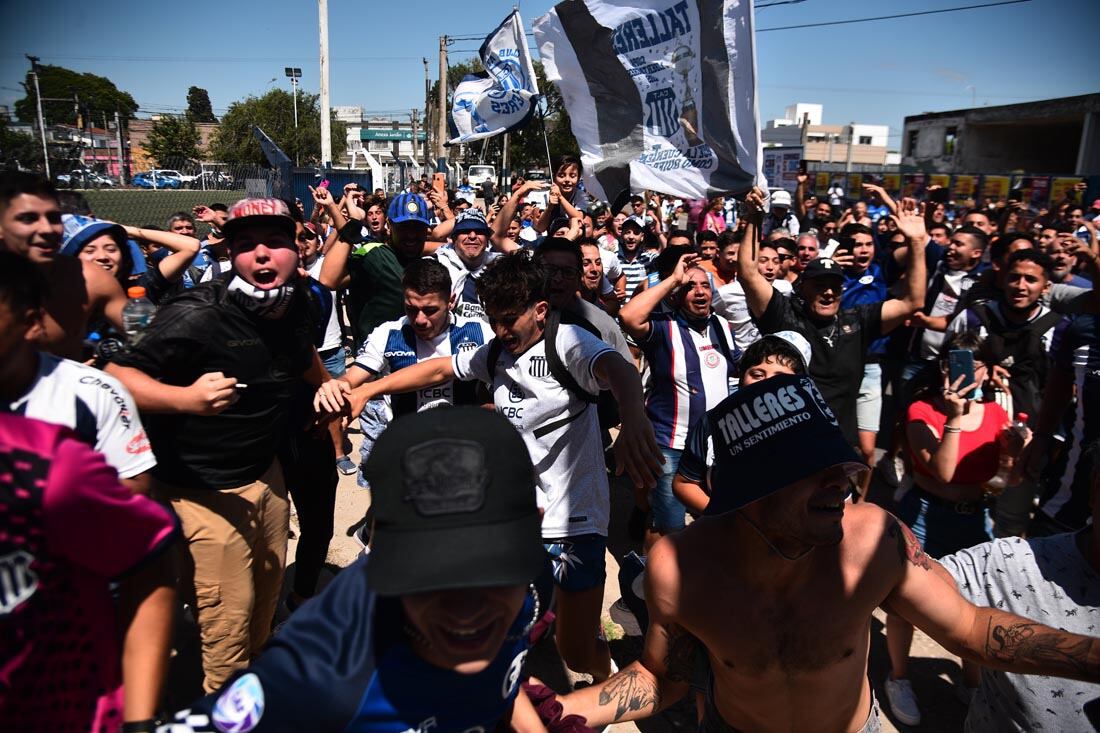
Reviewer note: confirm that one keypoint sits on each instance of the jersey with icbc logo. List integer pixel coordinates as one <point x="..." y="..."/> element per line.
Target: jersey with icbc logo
<point x="342" y="663"/>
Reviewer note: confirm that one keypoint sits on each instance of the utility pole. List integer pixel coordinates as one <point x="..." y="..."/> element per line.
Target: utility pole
<point x="416" y="129"/>
<point x="41" y="121"/>
<point x="441" y="129"/>
<point x="79" y="125"/>
<point x="427" y="103"/>
<point x="851" y="134"/>
<point x="326" y="121"/>
<point x="294" y="73"/>
<point x="122" y="167"/>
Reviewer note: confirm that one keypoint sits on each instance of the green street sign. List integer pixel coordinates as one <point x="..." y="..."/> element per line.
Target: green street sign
<point x="389" y="134"/>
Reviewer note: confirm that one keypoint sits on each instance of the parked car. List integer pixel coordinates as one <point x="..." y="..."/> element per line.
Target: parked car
<point x="81" y="178"/>
<point x="213" y="180"/>
<point x="155" y="179"/>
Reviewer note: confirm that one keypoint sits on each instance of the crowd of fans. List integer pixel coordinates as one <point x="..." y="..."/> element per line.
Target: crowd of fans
<point x="151" y="465"/>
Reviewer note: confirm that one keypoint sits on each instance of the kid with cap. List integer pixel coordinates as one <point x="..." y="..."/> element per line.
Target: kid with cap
<point x="428" y="632"/>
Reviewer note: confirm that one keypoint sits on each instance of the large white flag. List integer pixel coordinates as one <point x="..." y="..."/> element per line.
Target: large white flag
<point x="502" y="98"/>
<point x="661" y="93"/>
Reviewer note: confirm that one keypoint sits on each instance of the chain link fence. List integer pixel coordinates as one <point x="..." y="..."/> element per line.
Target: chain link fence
<point x="152" y="194"/>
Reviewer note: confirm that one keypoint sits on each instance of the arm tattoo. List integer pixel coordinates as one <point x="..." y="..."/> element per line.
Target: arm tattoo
<point x="629" y="690"/>
<point x="1029" y="644"/>
<point x="683" y="652"/>
<point x="909" y="546"/>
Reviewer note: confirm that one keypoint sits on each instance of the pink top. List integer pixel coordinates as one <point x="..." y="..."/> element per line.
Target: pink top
<point x="67" y="526"/>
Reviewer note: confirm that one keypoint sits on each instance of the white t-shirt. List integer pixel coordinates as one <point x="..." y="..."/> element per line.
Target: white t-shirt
<point x="612" y="268"/>
<point x="378" y="351"/>
<point x="729" y="302"/>
<point x="955" y="285"/>
<point x="95" y="406"/>
<point x="569" y="464"/>
<point x="333" y="337"/>
<point x="463" y="280"/>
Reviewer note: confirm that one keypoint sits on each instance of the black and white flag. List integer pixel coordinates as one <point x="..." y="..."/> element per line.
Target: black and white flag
<point x="503" y="97"/>
<point x="661" y="93"/>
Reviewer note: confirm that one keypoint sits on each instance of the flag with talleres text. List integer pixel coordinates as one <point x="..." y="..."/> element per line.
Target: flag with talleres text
<point x="661" y="94"/>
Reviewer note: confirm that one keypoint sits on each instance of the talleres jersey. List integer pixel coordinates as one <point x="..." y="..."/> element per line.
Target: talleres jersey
<point x="342" y="663"/>
<point x="464" y="280"/>
<point x="560" y="430"/>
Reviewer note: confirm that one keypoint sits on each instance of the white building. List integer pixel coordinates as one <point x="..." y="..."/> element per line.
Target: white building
<point x="801" y="126"/>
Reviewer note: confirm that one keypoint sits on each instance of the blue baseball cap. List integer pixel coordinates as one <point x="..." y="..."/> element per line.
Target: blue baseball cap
<point x="408" y="207"/>
<point x="80" y="230"/>
<point x="471" y="220"/>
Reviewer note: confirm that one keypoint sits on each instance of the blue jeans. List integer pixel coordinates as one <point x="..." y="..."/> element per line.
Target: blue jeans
<point x="666" y="510"/>
<point x="372" y="421"/>
<point x="337" y="362"/>
<point x="940" y="529"/>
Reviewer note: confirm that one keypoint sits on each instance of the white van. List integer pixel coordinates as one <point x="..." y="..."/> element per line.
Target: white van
<point x="479" y="174"/>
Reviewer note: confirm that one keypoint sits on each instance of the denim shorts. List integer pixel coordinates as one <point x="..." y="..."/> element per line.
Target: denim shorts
<point x="869" y="402"/>
<point x="337" y="362"/>
<point x="940" y="529"/>
<point x="579" y="563"/>
<point x="666" y="511"/>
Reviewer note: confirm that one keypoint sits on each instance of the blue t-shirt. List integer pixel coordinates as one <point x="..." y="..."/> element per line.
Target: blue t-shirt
<point x="865" y="288"/>
<point x="341" y="663"/>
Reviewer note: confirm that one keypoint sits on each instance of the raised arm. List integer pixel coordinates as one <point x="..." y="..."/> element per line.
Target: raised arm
<point x="334" y="269"/>
<point x="758" y="291"/>
<point x="800" y="194"/>
<point x="926" y="596"/>
<point x="184" y="249"/>
<point x="635" y="314"/>
<point x="895" y="311"/>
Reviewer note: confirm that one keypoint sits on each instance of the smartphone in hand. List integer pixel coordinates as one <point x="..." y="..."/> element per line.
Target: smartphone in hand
<point x="960" y="363"/>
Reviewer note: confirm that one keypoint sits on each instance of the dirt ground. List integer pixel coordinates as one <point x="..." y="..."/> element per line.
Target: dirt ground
<point x="933" y="671"/>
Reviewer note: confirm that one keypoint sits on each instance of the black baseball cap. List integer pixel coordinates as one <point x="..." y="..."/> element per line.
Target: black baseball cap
<point x="770" y="435"/>
<point x="822" y="267"/>
<point x="453" y="493"/>
<point x="782" y="243"/>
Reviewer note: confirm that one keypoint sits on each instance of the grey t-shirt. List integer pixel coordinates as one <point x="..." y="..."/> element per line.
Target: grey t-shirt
<point x="1045" y="579"/>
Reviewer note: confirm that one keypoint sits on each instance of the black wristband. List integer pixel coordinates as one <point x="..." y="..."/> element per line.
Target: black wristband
<point x="140" y="726"/>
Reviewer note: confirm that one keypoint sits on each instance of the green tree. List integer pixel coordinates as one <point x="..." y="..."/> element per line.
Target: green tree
<point x="97" y="93"/>
<point x="274" y="114"/>
<point x="198" y="105"/>
<point x="172" y="140"/>
<point x="17" y="149"/>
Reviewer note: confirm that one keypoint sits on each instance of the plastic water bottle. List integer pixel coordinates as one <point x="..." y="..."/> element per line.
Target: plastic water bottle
<point x="136" y="314"/>
<point x="1011" y="442"/>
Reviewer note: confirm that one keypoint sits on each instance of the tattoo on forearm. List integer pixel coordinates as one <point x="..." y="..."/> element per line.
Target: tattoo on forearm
<point x="683" y="651"/>
<point x="1029" y="643"/>
<point x="629" y="691"/>
<point x="909" y="546"/>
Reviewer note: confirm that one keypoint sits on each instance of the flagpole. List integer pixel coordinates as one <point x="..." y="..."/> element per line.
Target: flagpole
<point x="546" y="141"/>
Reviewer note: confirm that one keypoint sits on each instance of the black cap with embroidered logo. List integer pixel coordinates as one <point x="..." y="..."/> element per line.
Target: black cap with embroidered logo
<point x="822" y="267"/>
<point x="453" y="493"/>
<point x="769" y="435"/>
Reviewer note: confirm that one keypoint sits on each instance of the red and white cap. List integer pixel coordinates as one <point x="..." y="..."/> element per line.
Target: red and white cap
<point x="252" y="211"/>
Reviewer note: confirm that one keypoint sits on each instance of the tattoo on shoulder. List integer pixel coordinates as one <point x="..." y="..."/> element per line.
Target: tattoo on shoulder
<point x="909" y="548"/>
<point x="629" y="691"/>
<point x="682" y="654"/>
<point x="1030" y="643"/>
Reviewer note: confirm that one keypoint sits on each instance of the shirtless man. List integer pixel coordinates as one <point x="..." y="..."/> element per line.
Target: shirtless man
<point x="774" y="588"/>
<point x="30" y="226"/>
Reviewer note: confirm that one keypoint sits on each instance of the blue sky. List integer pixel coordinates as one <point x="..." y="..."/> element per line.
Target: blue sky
<point x="875" y="72"/>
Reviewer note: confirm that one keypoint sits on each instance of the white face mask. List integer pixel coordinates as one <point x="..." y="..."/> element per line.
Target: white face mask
<point x="269" y="304"/>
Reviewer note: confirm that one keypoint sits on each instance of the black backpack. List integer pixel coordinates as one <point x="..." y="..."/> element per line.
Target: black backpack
<point x="1019" y="350"/>
<point x="606" y="406"/>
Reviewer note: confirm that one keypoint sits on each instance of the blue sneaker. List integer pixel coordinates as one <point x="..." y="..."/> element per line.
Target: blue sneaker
<point x="346" y="466"/>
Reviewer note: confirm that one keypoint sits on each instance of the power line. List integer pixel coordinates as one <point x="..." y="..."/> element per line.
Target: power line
<point x="226" y="59"/>
<point x="889" y="17"/>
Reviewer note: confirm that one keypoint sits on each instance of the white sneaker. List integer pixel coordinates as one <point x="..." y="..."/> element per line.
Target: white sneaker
<point x="903" y="702"/>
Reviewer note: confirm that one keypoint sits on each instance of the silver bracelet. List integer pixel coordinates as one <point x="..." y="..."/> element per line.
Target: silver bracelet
<point x="949" y="429"/>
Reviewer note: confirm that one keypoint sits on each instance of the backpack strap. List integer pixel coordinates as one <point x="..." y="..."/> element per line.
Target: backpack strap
<point x="556" y="365"/>
<point x="494" y="356"/>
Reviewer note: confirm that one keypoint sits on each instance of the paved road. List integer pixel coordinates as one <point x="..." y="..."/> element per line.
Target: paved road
<point x="933" y="670"/>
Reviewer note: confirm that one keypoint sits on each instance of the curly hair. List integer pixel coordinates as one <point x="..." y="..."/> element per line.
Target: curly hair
<point x="511" y="282"/>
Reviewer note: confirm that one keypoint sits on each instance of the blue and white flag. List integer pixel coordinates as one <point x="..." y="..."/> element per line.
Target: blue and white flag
<point x="661" y="93"/>
<point x="502" y="98"/>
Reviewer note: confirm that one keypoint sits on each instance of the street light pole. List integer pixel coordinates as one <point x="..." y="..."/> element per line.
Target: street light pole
<point x="294" y="73"/>
<point x="326" y="122"/>
<point x="41" y="121"/>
